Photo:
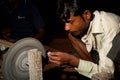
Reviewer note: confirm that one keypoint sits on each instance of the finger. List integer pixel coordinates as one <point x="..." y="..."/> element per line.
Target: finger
<point x="55" y="61"/>
<point x="52" y="53"/>
<point x="56" y="58"/>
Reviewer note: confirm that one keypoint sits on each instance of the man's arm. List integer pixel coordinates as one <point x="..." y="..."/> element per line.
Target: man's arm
<point x="39" y="33"/>
<point x="37" y="22"/>
<point x="80" y="48"/>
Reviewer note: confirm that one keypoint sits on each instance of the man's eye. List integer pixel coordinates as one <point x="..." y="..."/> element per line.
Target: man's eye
<point x="69" y="21"/>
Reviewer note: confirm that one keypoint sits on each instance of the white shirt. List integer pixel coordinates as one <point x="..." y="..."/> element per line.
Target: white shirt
<point x="100" y="34"/>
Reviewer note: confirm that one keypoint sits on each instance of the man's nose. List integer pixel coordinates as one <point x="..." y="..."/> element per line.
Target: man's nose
<point x="67" y="27"/>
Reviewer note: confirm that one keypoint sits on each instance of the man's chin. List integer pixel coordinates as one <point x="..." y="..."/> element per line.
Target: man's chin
<point x="77" y="35"/>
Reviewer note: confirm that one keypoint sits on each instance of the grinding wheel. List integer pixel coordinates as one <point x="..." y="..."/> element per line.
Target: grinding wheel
<point x="15" y="63"/>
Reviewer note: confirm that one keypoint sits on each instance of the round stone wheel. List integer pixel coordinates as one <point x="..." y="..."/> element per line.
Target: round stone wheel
<point x="15" y="61"/>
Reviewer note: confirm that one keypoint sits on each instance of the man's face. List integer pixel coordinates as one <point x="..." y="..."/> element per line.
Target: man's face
<point x="77" y="25"/>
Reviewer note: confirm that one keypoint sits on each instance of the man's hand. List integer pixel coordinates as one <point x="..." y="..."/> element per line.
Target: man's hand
<point x="62" y="58"/>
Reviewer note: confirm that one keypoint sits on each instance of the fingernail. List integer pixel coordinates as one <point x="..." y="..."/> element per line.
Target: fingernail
<point x="49" y="53"/>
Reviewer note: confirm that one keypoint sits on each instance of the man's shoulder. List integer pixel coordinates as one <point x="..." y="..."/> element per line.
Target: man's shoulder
<point x="109" y="14"/>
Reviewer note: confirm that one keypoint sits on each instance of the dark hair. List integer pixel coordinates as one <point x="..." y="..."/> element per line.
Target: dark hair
<point x="74" y="7"/>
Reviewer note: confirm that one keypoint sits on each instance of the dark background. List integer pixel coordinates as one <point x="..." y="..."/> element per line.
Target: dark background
<point x="48" y="9"/>
<point x="54" y="25"/>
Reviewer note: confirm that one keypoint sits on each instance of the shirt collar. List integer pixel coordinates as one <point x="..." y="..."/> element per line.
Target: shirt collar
<point x="96" y="25"/>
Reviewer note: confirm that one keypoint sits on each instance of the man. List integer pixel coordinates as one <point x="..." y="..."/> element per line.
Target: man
<point x="91" y="33"/>
<point x="23" y="18"/>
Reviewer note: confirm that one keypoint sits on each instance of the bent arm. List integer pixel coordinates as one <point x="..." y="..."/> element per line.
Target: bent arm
<point x="80" y="48"/>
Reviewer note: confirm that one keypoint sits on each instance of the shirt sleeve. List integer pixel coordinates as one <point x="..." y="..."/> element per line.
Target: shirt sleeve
<point x="86" y="68"/>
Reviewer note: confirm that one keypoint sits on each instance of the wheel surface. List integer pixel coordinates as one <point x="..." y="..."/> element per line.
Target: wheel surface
<point x="15" y="63"/>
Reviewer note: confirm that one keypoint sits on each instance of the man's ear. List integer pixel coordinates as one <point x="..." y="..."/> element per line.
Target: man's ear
<point x="87" y="14"/>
